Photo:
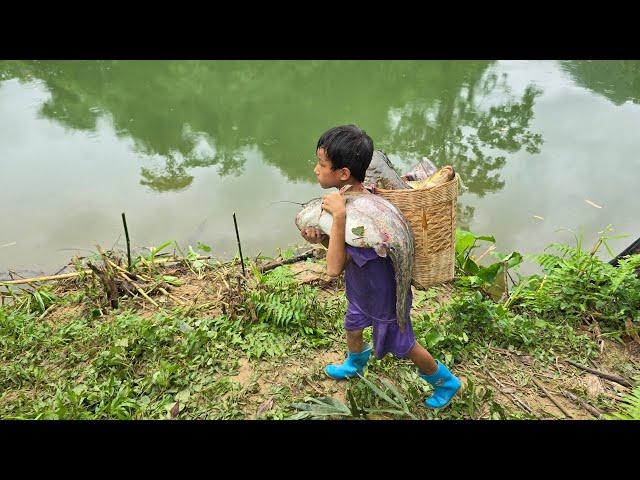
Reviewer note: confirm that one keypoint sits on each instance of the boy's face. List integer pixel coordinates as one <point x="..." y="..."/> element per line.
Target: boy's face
<point x="327" y="177"/>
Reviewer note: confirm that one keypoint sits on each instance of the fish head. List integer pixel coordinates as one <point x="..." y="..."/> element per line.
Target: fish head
<point x="381" y="173"/>
<point x="309" y="216"/>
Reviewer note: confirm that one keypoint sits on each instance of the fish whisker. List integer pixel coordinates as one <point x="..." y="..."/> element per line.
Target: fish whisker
<point x="289" y="201"/>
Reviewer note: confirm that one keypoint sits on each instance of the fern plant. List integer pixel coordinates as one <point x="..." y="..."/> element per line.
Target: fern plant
<point x="631" y="408"/>
<point x="279" y="300"/>
<point x="578" y="285"/>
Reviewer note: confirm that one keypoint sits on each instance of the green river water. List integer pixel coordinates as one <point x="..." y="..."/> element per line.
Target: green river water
<point x="181" y="145"/>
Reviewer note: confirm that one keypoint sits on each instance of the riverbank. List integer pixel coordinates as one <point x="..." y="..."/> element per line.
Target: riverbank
<point x="194" y="338"/>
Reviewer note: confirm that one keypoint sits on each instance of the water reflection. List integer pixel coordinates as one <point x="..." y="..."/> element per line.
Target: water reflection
<point x="617" y="80"/>
<point x="459" y="132"/>
<point x="207" y="114"/>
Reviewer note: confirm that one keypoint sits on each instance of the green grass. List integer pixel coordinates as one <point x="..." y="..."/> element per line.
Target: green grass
<point x="127" y="366"/>
<point x="97" y="363"/>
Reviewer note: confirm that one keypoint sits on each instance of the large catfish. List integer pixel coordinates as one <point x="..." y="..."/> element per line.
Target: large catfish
<point x="372" y="222"/>
<point x="381" y="173"/>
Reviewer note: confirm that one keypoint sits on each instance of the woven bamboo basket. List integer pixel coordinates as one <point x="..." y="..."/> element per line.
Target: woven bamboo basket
<point x="432" y="216"/>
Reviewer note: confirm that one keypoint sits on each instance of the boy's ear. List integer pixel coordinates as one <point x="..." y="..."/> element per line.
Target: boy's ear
<point x="344" y="174"/>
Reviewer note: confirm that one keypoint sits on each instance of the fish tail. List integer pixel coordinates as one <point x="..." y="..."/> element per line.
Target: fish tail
<point x="399" y="267"/>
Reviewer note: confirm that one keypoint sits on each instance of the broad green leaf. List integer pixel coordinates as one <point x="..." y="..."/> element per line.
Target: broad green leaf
<point x="464" y="240"/>
<point x="513" y="259"/>
<point x="470" y="267"/>
<point x="487" y="238"/>
<point x="358" y="231"/>
<point x="489" y="273"/>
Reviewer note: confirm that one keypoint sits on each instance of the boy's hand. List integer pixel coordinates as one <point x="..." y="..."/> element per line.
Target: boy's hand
<point x="334" y="203"/>
<point x="313" y="235"/>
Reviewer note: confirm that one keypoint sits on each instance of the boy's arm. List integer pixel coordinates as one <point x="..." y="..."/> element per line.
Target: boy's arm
<point x="337" y="251"/>
<point x="325" y="242"/>
<point x="337" y="256"/>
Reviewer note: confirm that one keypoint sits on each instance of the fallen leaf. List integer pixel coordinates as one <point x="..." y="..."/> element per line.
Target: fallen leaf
<point x="175" y="410"/>
<point x="266" y="406"/>
<point x="592" y="204"/>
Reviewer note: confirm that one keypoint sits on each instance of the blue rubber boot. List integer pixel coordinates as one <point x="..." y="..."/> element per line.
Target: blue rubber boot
<point x="352" y="366"/>
<point x="445" y="385"/>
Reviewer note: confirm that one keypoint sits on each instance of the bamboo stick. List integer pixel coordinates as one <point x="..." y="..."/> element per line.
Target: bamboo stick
<point x="552" y="398"/>
<point x="235" y="223"/>
<point x="126" y="233"/>
<point x="592" y="410"/>
<point x="138" y="288"/>
<point x="45" y="278"/>
<point x="62" y="276"/>
<point x="118" y="267"/>
<point x="172" y="297"/>
<point x="608" y="376"/>
<point x="519" y="403"/>
<point x="298" y="258"/>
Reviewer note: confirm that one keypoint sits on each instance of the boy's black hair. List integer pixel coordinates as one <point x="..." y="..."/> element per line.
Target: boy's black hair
<point x="348" y="146"/>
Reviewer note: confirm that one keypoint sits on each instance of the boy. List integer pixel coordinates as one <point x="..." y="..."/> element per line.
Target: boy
<point x="344" y="154"/>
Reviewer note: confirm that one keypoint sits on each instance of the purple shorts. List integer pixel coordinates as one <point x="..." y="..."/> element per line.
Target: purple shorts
<point x="387" y="337"/>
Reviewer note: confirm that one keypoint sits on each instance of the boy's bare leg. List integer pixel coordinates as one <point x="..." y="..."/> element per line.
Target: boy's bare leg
<point x="355" y="361"/>
<point x="423" y="359"/>
<point x="354" y="341"/>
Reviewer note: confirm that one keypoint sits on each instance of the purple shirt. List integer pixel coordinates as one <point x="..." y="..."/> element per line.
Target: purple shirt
<point x="371" y="285"/>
